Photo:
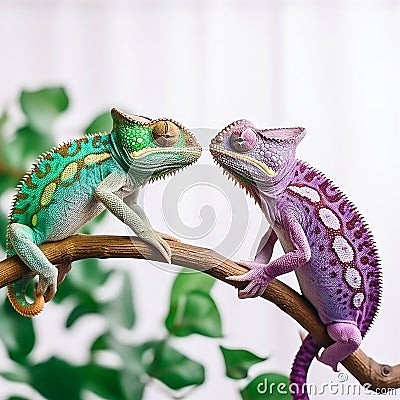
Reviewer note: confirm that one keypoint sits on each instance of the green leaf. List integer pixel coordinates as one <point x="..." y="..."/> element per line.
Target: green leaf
<point x="132" y="356"/>
<point x="17" y="333"/>
<point x="174" y="369"/>
<point x="88" y="275"/>
<point x="238" y="362"/>
<point x="103" y="342"/>
<point x="103" y="381"/>
<point x="17" y="398"/>
<point x="65" y="290"/>
<point x="57" y="380"/>
<point x="26" y="146"/>
<point x="8" y="181"/>
<point x="85" y="277"/>
<point x="43" y="106"/>
<point x="132" y="385"/>
<point x="102" y="123"/>
<point x="3" y="229"/>
<point x="3" y="123"/>
<point x="120" y="311"/>
<point x="135" y="358"/>
<point x="192" y="310"/>
<point x="188" y="281"/>
<point x="90" y="306"/>
<point x="196" y="312"/>
<point x="19" y="374"/>
<point x="269" y="386"/>
<point x="4" y="117"/>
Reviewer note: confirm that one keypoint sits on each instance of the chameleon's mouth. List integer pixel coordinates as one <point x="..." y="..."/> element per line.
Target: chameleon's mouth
<point x="168" y="167"/>
<point x="194" y="151"/>
<point x="220" y="150"/>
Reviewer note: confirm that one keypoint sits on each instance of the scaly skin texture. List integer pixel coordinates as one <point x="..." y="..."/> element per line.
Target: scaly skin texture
<point x="74" y="182"/>
<point x="325" y="240"/>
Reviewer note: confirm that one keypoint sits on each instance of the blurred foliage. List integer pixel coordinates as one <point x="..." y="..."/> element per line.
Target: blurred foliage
<point x="192" y="309"/>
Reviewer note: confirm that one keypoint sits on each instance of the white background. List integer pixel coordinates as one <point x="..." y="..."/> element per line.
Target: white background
<point x="330" y="66"/>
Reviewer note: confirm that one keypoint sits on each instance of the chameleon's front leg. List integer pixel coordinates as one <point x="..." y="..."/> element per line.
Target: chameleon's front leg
<point x="265" y="248"/>
<point x="131" y="201"/>
<point x="105" y="192"/>
<point x="261" y="274"/>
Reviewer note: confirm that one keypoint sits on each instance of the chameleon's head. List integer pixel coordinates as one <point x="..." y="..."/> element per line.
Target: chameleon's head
<point x="255" y="157"/>
<point x="155" y="148"/>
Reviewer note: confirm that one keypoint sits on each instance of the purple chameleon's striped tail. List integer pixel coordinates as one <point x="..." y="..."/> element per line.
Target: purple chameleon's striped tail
<point x="298" y="376"/>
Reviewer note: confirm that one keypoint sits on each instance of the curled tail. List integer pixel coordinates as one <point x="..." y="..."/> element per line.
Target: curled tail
<point x="16" y="295"/>
<point x="298" y="376"/>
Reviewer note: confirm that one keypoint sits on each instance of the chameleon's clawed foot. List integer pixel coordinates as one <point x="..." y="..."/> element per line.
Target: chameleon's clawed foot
<point x="257" y="277"/>
<point x="47" y="286"/>
<point x="329" y="359"/>
<point x="155" y="239"/>
<point x="163" y="247"/>
<point x="347" y="338"/>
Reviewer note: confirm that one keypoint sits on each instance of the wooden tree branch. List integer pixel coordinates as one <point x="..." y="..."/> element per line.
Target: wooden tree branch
<point x="363" y="368"/>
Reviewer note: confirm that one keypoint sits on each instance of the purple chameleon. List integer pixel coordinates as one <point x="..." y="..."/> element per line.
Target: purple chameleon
<point x="325" y="240"/>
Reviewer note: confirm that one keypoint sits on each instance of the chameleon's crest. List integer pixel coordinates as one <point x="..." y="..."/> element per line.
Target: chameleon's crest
<point x="136" y="133"/>
<point x="284" y="134"/>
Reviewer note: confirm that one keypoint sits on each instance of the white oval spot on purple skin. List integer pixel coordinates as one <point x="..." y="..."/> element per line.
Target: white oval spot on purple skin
<point x="343" y="249"/>
<point x="353" y="277"/>
<point x="358" y="300"/>
<point x="306" y="192"/>
<point x="329" y="219"/>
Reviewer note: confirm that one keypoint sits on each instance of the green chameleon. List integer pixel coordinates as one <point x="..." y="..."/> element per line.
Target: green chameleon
<point x="71" y="184"/>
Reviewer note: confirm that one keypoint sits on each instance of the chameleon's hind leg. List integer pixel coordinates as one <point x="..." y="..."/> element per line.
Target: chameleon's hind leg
<point x="347" y="339"/>
<point x="22" y="240"/>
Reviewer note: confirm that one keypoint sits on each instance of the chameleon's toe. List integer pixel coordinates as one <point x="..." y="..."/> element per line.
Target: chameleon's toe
<point x="258" y="282"/>
<point x="249" y="264"/>
<point x="47" y="287"/>
<point x="163" y="247"/>
<point x="251" y="290"/>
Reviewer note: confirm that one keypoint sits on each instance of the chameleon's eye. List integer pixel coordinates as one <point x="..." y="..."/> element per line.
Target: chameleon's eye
<point x="165" y="133"/>
<point x="243" y="141"/>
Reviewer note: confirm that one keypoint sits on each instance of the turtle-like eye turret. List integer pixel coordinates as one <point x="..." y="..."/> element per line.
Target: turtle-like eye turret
<point x="165" y="133"/>
<point x="243" y="141"/>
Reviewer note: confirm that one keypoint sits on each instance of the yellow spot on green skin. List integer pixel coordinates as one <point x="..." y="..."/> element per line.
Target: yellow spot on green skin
<point x="96" y="158"/>
<point x="47" y="194"/>
<point x="34" y="220"/>
<point x="69" y="171"/>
